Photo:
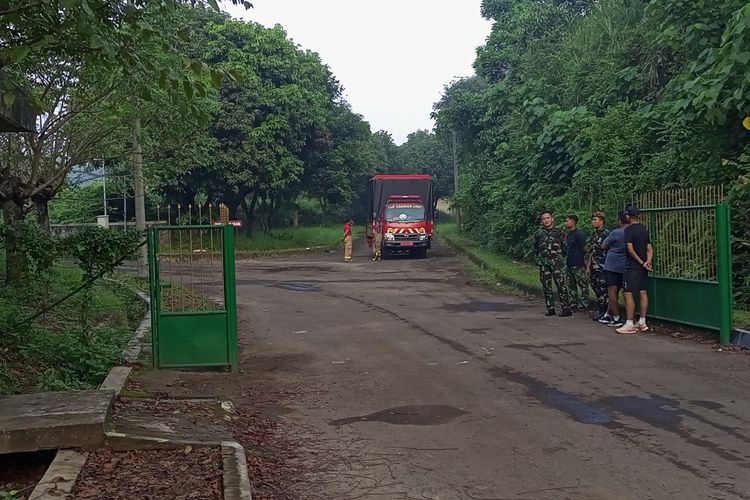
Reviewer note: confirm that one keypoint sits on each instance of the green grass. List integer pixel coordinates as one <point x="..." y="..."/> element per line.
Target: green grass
<point x="295" y="238"/>
<point x="501" y="265"/>
<point x="742" y="319"/>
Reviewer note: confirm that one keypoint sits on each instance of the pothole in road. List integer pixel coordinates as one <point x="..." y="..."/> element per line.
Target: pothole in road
<point x="484" y="307"/>
<point x="408" y="415"/>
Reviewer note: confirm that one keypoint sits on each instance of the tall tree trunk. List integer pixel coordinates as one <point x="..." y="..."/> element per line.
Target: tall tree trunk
<point x="41" y="201"/>
<point x="41" y="207"/>
<point x="249" y="210"/>
<point x="262" y="213"/>
<point x="140" y="198"/>
<point x="16" y="266"/>
<point x="233" y="206"/>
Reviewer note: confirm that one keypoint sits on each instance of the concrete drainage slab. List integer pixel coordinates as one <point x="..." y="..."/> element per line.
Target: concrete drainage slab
<point x="51" y="420"/>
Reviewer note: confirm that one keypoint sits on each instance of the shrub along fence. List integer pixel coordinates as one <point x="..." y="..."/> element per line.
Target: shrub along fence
<point x="62" y="325"/>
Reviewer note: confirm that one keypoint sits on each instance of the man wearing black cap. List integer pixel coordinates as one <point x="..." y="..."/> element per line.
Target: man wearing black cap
<point x="639" y="262"/>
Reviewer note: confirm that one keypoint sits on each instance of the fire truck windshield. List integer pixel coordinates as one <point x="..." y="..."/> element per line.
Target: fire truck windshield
<point x="404" y="212"/>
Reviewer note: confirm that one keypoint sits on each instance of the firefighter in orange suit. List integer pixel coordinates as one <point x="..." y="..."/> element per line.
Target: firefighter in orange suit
<point x="377" y="244"/>
<point x="348" y="239"/>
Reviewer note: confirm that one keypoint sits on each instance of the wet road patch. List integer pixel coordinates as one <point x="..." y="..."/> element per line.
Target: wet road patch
<point x="298" y="286"/>
<point x="408" y="415"/>
<point x="477" y="331"/>
<point x="662" y="413"/>
<point x="570" y="404"/>
<point x="546" y="345"/>
<point x="480" y="306"/>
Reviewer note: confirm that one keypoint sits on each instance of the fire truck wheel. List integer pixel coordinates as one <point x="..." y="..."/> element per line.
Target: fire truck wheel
<point x="420" y="253"/>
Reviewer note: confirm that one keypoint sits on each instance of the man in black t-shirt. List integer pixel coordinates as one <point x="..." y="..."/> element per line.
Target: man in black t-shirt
<point x="577" y="279"/>
<point x="639" y="262"/>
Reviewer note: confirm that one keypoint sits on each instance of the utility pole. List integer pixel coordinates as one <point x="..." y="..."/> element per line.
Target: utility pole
<point x="455" y="179"/>
<point x="140" y="198"/>
<point x="104" y="185"/>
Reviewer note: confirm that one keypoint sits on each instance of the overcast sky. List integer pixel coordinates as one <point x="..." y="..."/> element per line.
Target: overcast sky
<point x="393" y="57"/>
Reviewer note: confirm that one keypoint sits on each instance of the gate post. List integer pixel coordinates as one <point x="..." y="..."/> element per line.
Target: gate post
<point x="153" y="279"/>
<point x="724" y="257"/>
<point x="230" y="298"/>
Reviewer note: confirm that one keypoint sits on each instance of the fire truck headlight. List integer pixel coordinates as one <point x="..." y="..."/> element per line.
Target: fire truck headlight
<point x="390" y="237"/>
<point x="422" y="237"/>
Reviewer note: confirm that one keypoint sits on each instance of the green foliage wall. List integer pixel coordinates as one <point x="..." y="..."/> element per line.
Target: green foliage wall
<point x="577" y="105"/>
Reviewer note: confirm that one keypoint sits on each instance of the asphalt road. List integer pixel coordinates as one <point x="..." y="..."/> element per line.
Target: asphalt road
<point x="437" y="388"/>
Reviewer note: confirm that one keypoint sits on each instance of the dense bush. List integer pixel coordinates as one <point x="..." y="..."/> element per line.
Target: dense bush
<point x="73" y="344"/>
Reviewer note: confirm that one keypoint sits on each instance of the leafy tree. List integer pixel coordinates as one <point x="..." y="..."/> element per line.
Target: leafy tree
<point x="577" y="105"/>
<point x="77" y="204"/>
<point x="425" y="152"/>
<point x="389" y="150"/>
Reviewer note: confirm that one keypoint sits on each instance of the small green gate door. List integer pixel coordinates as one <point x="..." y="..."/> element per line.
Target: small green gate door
<point x="193" y="301"/>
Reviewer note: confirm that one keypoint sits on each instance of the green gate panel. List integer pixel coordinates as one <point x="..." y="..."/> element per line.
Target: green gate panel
<point x="187" y="266"/>
<point x="193" y="340"/>
<point x="695" y="303"/>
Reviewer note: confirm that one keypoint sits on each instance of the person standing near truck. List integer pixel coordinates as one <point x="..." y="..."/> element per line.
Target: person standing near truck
<point x="549" y="249"/>
<point x="348" y="239"/>
<point x="597" y="256"/>
<point x="377" y="241"/>
<point x="577" y="279"/>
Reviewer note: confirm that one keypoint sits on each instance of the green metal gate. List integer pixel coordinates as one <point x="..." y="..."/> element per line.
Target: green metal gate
<point x="193" y="301"/>
<point x="692" y="278"/>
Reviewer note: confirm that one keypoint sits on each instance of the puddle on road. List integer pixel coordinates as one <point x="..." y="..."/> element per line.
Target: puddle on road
<point x="484" y="307"/>
<point x="408" y="415"/>
<point x="662" y="413"/>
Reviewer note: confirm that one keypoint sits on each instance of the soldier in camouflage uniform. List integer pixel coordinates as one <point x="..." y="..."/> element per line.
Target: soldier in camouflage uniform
<point x="549" y="249"/>
<point x="597" y="256"/>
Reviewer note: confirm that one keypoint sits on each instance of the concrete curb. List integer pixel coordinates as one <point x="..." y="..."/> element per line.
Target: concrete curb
<point x="741" y="338"/>
<point x="236" y="479"/>
<point x="133" y="350"/>
<point x="61" y="476"/>
<point x="116" y="379"/>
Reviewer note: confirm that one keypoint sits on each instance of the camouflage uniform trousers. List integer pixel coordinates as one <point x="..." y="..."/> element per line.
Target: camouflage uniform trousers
<point x="599" y="285"/>
<point x="579" y="287"/>
<point x="554" y="273"/>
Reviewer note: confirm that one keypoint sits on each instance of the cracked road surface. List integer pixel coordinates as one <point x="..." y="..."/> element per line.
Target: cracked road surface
<point x="437" y="388"/>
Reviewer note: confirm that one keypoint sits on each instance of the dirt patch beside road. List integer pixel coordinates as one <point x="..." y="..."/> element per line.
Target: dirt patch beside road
<point x="151" y="474"/>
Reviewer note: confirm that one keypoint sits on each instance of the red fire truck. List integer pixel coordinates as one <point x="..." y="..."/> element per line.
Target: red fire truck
<point x="404" y="207"/>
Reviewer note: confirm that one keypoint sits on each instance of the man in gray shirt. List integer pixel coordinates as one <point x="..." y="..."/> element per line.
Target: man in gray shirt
<point x="614" y="270"/>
